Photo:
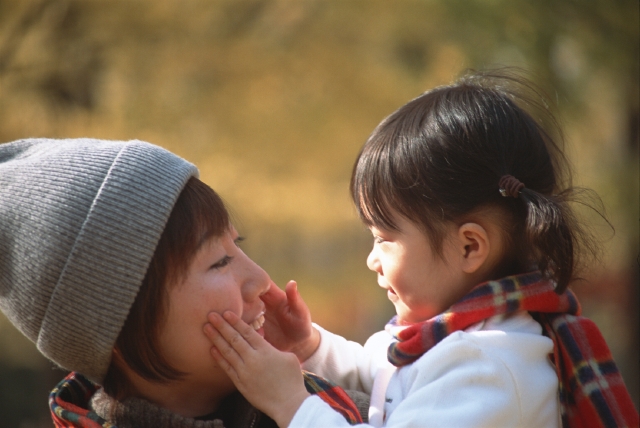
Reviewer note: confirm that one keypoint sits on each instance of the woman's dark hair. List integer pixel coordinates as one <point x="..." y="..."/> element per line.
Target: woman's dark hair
<point x="198" y="214"/>
<point x="439" y="159"/>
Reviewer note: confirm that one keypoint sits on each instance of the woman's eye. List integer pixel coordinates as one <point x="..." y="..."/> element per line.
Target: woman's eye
<point x="222" y="262"/>
<point x="238" y="240"/>
<point x="377" y="240"/>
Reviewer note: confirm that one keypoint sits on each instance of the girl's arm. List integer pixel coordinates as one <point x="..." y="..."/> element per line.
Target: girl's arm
<point x="347" y="363"/>
<point x="481" y="380"/>
<point x="288" y="327"/>
<point x="269" y="379"/>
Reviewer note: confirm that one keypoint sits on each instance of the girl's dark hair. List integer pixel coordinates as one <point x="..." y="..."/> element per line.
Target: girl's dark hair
<point x="439" y="158"/>
<point x="198" y="214"/>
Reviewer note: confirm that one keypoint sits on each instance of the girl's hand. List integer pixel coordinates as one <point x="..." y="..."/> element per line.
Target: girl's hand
<point x="271" y="380"/>
<point x="288" y="321"/>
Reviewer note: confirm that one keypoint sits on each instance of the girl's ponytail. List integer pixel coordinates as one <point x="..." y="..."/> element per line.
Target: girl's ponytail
<point x="550" y="234"/>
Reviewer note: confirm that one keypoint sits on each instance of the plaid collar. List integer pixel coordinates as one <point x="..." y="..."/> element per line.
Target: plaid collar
<point x="591" y="390"/>
<point x="69" y="401"/>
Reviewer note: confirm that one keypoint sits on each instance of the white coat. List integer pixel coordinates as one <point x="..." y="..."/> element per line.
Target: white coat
<point x="495" y="373"/>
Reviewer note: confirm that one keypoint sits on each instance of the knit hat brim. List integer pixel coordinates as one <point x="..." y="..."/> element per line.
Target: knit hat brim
<point x="109" y="256"/>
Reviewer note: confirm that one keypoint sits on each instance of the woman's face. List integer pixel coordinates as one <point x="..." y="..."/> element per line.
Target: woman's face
<point x="220" y="278"/>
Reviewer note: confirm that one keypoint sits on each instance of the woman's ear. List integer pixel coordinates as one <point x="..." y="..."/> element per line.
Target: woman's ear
<point x="474" y="245"/>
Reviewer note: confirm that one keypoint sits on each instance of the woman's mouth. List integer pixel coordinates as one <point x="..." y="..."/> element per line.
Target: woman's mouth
<point x="258" y="322"/>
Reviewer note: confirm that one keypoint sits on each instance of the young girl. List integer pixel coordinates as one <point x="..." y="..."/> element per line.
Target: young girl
<point x="466" y="196"/>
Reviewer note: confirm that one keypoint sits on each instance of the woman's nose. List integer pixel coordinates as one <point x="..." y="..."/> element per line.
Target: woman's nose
<point x="256" y="281"/>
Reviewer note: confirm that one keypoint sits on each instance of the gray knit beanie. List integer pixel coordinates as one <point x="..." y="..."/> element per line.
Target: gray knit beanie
<point x="79" y="224"/>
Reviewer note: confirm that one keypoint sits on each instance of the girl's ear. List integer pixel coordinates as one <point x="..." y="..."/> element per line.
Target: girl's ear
<point x="474" y="245"/>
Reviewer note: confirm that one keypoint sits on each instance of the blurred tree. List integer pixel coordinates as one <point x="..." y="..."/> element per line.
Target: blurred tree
<point x="563" y="43"/>
<point x="66" y="68"/>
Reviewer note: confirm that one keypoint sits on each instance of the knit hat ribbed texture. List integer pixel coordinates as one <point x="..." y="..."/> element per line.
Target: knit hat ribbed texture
<point x="79" y="223"/>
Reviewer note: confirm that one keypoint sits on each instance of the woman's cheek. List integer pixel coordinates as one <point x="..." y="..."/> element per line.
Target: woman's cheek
<point x="222" y="300"/>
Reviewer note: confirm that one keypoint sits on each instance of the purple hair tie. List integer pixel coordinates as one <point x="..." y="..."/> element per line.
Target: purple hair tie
<point x="510" y="186"/>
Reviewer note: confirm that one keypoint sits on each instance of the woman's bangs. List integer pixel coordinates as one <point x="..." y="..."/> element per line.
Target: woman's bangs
<point x="210" y="216"/>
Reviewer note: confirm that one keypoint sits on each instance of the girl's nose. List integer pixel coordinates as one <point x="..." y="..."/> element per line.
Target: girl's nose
<point x="372" y="262"/>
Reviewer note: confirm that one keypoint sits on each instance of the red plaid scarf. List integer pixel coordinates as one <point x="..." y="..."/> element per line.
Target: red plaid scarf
<point x="591" y="390"/>
<point x="69" y="404"/>
<point x="69" y="401"/>
<point x="333" y="395"/>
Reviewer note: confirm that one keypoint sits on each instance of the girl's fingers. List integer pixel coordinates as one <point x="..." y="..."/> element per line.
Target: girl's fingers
<point x="250" y="336"/>
<point x="238" y="334"/>
<point x="224" y="364"/>
<point x="222" y="348"/>
<point x="292" y="292"/>
<point x="274" y="296"/>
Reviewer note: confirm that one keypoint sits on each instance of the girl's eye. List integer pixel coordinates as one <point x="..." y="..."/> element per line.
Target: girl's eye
<point x="377" y="240"/>
<point x="222" y="262"/>
<point x="238" y="240"/>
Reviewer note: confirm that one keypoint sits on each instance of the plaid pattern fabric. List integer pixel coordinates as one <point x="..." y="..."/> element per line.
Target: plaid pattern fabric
<point x="69" y="401"/>
<point x="332" y="395"/>
<point x="591" y="390"/>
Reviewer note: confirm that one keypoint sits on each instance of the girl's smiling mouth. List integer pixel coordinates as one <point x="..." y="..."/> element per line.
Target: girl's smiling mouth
<point x="391" y="295"/>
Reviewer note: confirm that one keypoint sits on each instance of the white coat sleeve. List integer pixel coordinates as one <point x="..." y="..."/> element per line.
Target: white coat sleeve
<point x="347" y="363"/>
<point x="467" y="380"/>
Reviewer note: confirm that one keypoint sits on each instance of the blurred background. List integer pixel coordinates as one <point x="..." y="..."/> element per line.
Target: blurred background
<point x="272" y="99"/>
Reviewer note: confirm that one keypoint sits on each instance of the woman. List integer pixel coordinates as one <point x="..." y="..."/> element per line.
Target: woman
<point x="111" y="256"/>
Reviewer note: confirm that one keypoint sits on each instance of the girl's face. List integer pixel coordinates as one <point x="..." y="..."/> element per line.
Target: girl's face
<point x="419" y="283"/>
<point x="220" y="278"/>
